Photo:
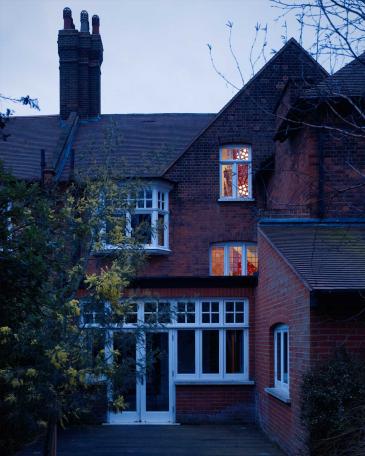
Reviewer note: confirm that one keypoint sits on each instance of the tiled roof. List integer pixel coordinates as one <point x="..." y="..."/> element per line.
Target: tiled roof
<point x="348" y="81"/>
<point x="143" y="144"/>
<point x="21" y="152"/>
<point x="326" y="256"/>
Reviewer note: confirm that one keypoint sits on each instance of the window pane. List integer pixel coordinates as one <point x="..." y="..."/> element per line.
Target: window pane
<point x="217" y="261"/>
<point x="235" y="261"/>
<point x="141" y="227"/>
<point x="234" y="352"/>
<point x="252" y="261"/>
<point x="211" y="352"/>
<point x="164" y="313"/>
<point x="278" y="356"/>
<point x="186" y="352"/>
<point x="285" y="357"/>
<point x="243" y="190"/>
<point x="241" y="153"/>
<point x="227" y="153"/>
<point x="161" y="229"/>
<point x="227" y="180"/>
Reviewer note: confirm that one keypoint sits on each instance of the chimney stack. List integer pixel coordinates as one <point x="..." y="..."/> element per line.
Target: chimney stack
<point x="81" y="55"/>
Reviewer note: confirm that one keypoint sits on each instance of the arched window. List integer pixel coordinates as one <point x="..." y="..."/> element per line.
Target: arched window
<point x="281" y="358"/>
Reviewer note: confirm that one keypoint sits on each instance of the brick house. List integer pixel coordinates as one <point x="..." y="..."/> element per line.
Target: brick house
<point x="257" y="183"/>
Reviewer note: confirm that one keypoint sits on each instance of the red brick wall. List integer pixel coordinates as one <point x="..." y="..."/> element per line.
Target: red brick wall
<point x="215" y="403"/>
<point x="197" y="219"/>
<point x="280" y="298"/>
<point x="336" y="325"/>
<point x="295" y="184"/>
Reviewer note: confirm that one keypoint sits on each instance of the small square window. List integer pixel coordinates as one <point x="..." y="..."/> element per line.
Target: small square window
<point x="210" y="312"/>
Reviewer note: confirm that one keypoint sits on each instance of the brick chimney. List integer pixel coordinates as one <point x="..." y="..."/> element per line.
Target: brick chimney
<point x="81" y="55"/>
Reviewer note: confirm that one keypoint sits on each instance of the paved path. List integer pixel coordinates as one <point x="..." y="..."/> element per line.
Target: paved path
<point x="210" y="440"/>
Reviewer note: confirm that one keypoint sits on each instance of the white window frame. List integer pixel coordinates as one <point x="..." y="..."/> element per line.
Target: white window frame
<point x="198" y="327"/>
<point x="156" y="210"/>
<point x="226" y="246"/>
<point x="280" y="384"/>
<point x="234" y="163"/>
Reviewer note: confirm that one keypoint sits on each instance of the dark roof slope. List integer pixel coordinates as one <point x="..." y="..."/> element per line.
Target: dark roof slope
<point x="327" y="256"/>
<point x="21" y="152"/>
<point x="144" y="144"/>
<point x="348" y="81"/>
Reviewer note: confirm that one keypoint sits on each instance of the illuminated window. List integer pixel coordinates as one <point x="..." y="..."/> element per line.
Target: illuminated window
<point x="235" y="172"/>
<point x="233" y="259"/>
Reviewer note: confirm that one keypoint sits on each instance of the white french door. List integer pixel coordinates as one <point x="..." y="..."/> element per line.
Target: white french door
<point x="145" y="379"/>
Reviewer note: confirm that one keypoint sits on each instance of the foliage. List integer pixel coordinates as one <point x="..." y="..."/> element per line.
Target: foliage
<point x="5" y="116"/>
<point x="47" y="236"/>
<point x="333" y="407"/>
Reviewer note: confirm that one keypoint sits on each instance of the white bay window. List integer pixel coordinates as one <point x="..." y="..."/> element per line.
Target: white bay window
<point x="147" y="220"/>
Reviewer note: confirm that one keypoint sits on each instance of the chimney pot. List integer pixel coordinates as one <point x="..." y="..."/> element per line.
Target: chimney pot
<point x="67" y="19"/>
<point x="95" y="23"/>
<point x="84" y="19"/>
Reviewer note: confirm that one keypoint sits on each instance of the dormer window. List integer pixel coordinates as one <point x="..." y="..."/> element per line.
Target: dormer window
<point x="235" y="172"/>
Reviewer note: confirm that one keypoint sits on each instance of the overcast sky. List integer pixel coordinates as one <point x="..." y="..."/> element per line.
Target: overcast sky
<point x="155" y="53"/>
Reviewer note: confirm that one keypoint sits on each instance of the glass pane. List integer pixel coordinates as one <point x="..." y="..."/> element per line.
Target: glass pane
<point x="278" y="356"/>
<point x="215" y="306"/>
<point x="211" y="352"/>
<point x="131" y="313"/>
<point x="239" y="317"/>
<point x="164" y="313"/>
<point x="226" y="153"/>
<point x="124" y="345"/>
<point x="217" y="261"/>
<point x="241" y="153"/>
<point x="239" y="306"/>
<point x="186" y="352"/>
<point x="161" y="229"/>
<point x="157" y="377"/>
<point x="229" y="318"/>
<point x="229" y="306"/>
<point x="234" y="352"/>
<point x="252" y="261"/>
<point x="285" y="357"/>
<point x="235" y="261"/>
<point x="227" y="180"/>
<point x="206" y="318"/>
<point x="141" y="226"/>
<point x="243" y="190"/>
<point x="206" y="306"/>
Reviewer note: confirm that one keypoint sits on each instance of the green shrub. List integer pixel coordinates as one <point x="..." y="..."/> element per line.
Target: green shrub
<point x="333" y="407"/>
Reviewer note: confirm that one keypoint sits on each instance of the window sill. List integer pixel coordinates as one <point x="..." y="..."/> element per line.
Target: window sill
<point x="200" y="381"/>
<point x="235" y="200"/>
<point x="279" y="394"/>
<point x="109" y="249"/>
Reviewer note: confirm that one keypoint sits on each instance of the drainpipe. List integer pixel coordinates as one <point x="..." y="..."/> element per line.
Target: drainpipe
<point x="321" y="175"/>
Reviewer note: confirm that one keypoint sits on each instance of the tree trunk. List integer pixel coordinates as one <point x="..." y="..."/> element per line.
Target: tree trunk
<point x="50" y="444"/>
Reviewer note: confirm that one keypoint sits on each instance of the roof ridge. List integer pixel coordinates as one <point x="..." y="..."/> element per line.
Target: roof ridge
<point x="291" y="41"/>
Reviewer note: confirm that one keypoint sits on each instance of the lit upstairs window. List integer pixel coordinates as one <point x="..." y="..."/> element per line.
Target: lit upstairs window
<point x="235" y="172"/>
<point x="233" y="259"/>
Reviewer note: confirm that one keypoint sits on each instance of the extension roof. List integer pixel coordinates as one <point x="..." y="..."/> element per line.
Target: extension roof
<point x="325" y="256"/>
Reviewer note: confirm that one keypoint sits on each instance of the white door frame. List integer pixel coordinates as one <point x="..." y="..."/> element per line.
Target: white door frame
<point x="141" y="415"/>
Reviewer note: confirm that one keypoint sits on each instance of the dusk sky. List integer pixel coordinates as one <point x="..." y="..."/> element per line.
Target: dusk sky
<point x="155" y="53"/>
